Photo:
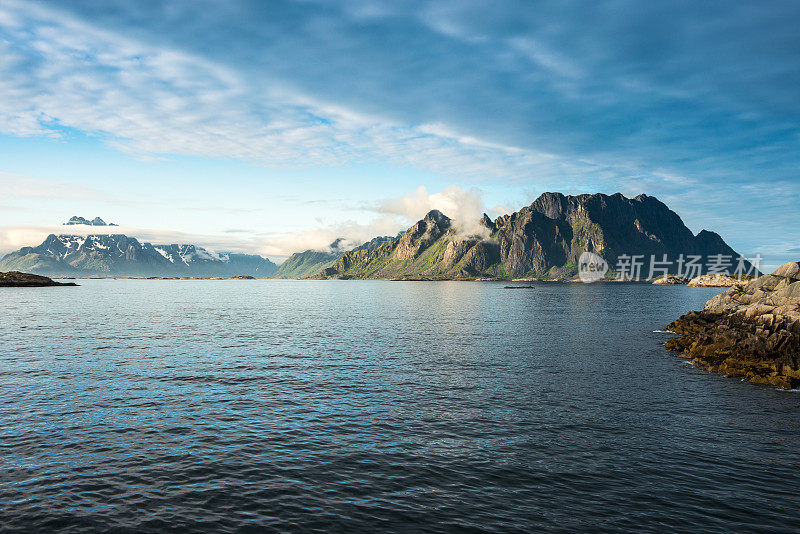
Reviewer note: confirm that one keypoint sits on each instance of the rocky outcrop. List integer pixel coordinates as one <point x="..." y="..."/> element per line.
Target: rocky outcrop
<point x="713" y="280"/>
<point x="670" y="280"/>
<point x="18" y="279"/>
<point x="751" y="330"/>
<point x="544" y="240"/>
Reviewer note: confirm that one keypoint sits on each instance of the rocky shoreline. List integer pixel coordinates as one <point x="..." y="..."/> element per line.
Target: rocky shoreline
<point x="670" y="280"/>
<point x="714" y="280"/>
<point x="705" y="280"/>
<point x="18" y="279"/>
<point x="751" y="331"/>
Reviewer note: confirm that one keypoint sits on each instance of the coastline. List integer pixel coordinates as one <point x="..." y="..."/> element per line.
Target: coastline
<point x="750" y="331"/>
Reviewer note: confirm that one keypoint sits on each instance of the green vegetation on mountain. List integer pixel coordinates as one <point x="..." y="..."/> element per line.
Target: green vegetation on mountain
<point x="543" y="240"/>
<point x="305" y="264"/>
<point x="310" y="262"/>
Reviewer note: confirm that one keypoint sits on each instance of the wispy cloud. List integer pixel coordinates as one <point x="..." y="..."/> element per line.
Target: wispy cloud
<point x="156" y="99"/>
<point x="17" y="186"/>
<point x="57" y="71"/>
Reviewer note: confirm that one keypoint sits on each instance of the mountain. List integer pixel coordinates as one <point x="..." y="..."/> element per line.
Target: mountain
<point x="375" y="242"/>
<point x="305" y="264"/>
<point x="543" y="240"/>
<point x="97" y="221"/>
<point x="121" y="255"/>
<point x="310" y="262"/>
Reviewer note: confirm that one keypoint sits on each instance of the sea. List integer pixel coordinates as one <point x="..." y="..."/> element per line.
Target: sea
<point x="378" y="406"/>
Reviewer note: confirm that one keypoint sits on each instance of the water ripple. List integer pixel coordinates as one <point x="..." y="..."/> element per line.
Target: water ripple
<point x="333" y="406"/>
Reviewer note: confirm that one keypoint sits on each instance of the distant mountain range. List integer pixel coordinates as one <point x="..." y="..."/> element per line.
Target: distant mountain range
<point x="543" y="240"/>
<point x="311" y="262"/>
<point x="120" y="255"/>
<point x="97" y="221"/>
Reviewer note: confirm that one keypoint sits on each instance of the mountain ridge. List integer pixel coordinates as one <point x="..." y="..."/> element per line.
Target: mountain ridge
<point x="310" y="262"/>
<point x="97" y="221"/>
<point x="121" y="255"/>
<point x="543" y="240"/>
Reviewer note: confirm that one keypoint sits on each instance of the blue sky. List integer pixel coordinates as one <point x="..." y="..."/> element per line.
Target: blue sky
<point x="276" y="126"/>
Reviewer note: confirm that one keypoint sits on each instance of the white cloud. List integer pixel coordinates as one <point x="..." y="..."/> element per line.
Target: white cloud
<point x="59" y="72"/>
<point x="546" y="58"/>
<point x="464" y="207"/>
<point x="17" y="186"/>
<point x="320" y="237"/>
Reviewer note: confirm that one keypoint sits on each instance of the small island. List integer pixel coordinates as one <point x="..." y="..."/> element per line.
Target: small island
<point x="18" y="279"/>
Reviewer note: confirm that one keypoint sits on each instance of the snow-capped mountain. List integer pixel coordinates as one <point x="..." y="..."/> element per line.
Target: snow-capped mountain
<point x="97" y="221"/>
<point x="118" y="254"/>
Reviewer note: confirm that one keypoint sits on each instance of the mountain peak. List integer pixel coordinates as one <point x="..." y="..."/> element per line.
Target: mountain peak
<point x="435" y="217"/>
<point x="487" y="223"/>
<point x="97" y="221"/>
<point x="338" y="245"/>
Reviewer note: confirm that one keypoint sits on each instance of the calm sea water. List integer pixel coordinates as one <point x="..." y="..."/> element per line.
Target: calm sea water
<point x="224" y="406"/>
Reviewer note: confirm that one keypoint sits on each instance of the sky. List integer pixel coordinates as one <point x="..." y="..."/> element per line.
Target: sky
<point x="272" y="127"/>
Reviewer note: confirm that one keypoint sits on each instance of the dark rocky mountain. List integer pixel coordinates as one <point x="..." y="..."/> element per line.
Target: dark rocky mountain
<point x="120" y="255"/>
<point x="97" y="221"/>
<point x="543" y="240"/>
<point x="310" y="262"/>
